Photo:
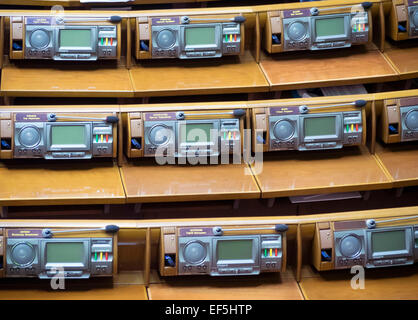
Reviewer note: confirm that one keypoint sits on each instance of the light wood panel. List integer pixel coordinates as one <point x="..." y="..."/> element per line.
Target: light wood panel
<point x="404" y="57"/>
<point x="146" y="181"/>
<point x="397" y="283"/>
<point x="304" y="173"/>
<point x="401" y="161"/>
<point x="264" y="287"/>
<point x="176" y="77"/>
<point x="307" y="69"/>
<point x="48" y="183"/>
<point x="66" y="81"/>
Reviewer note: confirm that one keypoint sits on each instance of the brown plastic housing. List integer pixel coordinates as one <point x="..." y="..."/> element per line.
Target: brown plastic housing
<point x="274" y="24"/>
<point x="133" y="123"/>
<point x="169" y="236"/>
<point x="143" y="28"/>
<point x="398" y="16"/>
<point x="260" y="120"/>
<point x="7" y="120"/>
<point x="18" y="33"/>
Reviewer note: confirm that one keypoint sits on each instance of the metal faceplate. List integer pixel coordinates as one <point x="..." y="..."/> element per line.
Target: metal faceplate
<point x="161" y="136"/>
<point x="409" y="123"/>
<point x="297" y="33"/>
<point x="22" y="257"/>
<point x="284" y="132"/>
<point x="350" y="248"/>
<point x="39" y="42"/>
<point x="413" y="21"/>
<point x="352" y="128"/>
<point x="165" y="41"/>
<point x="194" y="255"/>
<point x="29" y="140"/>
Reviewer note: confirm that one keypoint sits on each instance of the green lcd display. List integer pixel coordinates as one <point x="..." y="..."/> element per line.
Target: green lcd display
<point x="197" y="132"/>
<point x="68" y="135"/>
<point x="319" y="126"/>
<point x="329" y="27"/>
<point x="388" y="241"/>
<point x="75" y="38"/>
<point x="235" y="249"/>
<point x="200" y="36"/>
<point x="65" y="252"/>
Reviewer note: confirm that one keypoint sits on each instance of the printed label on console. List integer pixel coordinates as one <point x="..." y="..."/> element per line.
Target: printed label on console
<point x="24" y="233"/>
<point x="39" y="20"/>
<point x="196" y="232"/>
<point x="296" y="13"/>
<point x="279" y="111"/>
<point x="412" y="2"/>
<point x="165" y="20"/>
<point x="27" y="117"/>
<point x="160" y="116"/>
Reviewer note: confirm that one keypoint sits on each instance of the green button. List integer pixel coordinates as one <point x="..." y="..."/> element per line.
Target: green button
<point x="265" y="252"/>
<point x="97" y="138"/>
<point x="95" y="256"/>
<point x="348" y="128"/>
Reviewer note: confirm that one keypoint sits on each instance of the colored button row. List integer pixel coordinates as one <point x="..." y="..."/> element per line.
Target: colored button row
<point x="102" y="137"/>
<point x="106" y="41"/>
<point x="230" y="37"/>
<point x="100" y="256"/>
<point x="348" y="127"/>
<point x="230" y="135"/>
<point x="359" y="27"/>
<point x="269" y="252"/>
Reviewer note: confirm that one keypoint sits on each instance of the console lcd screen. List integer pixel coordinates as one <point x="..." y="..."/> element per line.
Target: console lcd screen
<point x="235" y="249"/>
<point x="75" y="38"/>
<point x="65" y="252"/>
<point x="196" y="36"/>
<point x="319" y="126"/>
<point x="388" y="241"/>
<point x="329" y="27"/>
<point x="68" y="135"/>
<point x="197" y="132"/>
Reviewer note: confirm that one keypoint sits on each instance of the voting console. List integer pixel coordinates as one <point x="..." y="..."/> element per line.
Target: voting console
<point x="403" y="20"/>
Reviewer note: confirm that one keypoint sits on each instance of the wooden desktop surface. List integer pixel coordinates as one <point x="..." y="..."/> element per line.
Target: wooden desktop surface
<point x="59" y="183"/>
<point x="306" y="69"/>
<point x="274" y="286"/>
<point x="146" y="181"/>
<point x="401" y="161"/>
<point x="177" y="77"/>
<point x="404" y="57"/>
<point x="100" y="81"/>
<point x="303" y="173"/>
<point x="397" y="283"/>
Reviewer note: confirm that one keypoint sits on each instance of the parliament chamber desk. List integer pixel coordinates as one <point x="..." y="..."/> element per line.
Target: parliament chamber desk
<point x="297" y="70"/>
<point x="404" y="57"/>
<point x="395" y="283"/>
<point x="263" y="287"/>
<point x="239" y="74"/>
<point x="401" y="162"/>
<point x="146" y="181"/>
<point x="59" y="183"/>
<point x="100" y="80"/>
<point x="304" y="173"/>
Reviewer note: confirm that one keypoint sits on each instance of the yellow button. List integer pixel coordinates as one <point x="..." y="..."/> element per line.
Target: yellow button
<point x="107" y="41"/>
<point x="352" y="127"/>
<point x="230" y="37"/>
<point x="101" y="255"/>
<point x="271" y="252"/>
<point x="101" y="138"/>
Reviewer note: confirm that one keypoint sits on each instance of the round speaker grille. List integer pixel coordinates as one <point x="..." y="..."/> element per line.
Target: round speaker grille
<point x="297" y="31"/>
<point x="194" y="252"/>
<point x="283" y="130"/>
<point x="159" y="135"/>
<point x="166" y="39"/>
<point x="415" y="18"/>
<point x="411" y="120"/>
<point x="29" y="136"/>
<point x="22" y="254"/>
<point x="350" y="246"/>
<point x="39" y="39"/>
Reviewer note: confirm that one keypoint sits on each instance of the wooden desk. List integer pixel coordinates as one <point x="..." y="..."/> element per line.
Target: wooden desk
<point x="146" y="181"/>
<point x="401" y="161"/>
<point x="398" y="283"/>
<point x="199" y="76"/>
<point x="100" y="80"/>
<point x="263" y="287"/>
<point x="311" y="69"/>
<point x="125" y="286"/>
<point x="303" y="173"/>
<point x="404" y="57"/>
<point x="53" y="183"/>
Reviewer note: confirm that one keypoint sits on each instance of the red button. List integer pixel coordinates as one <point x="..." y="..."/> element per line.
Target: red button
<point x="356" y="126"/>
<point x="235" y="37"/>
<point x="275" y="252"/>
<point x="107" y="138"/>
<point x="111" y="41"/>
<point x="107" y="256"/>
